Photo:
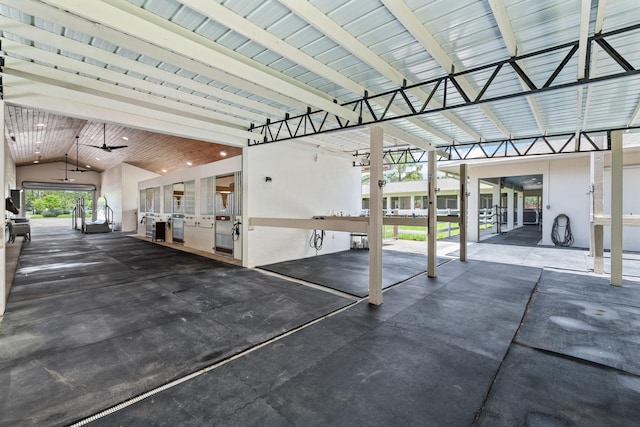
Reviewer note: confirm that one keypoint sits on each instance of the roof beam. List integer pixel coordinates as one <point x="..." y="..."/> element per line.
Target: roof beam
<point x="583" y="47"/>
<point x="342" y="37"/>
<point x="46" y="96"/>
<point x="142" y="29"/>
<point x="235" y="22"/>
<point x="218" y="111"/>
<point x="508" y="35"/>
<point x="108" y="92"/>
<point x="411" y="22"/>
<point x="101" y="32"/>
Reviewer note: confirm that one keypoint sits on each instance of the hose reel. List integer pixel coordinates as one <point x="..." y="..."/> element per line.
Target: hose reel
<point x="567" y="239"/>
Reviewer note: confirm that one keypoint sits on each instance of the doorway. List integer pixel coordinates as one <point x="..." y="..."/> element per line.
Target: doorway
<point x="177" y="212"/>
<point x="511" y="207"/>
<point x="225" y="213"/>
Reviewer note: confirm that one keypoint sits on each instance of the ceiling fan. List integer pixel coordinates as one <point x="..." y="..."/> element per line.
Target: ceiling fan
<point x="66" y="178"/>
<point x="77" y="169"/>
<point x="104" y="145"/>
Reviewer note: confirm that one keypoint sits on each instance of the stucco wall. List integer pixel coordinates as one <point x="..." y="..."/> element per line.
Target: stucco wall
<point x="304" y="182"/>
<point x="120" y="187"/>
<point x="566" y="180"/>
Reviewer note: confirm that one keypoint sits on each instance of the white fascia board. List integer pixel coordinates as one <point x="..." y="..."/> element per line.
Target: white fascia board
<point x="145" y="120"/>
<point x="147" y="31"/>
<point x="18" y="85"/>
<point x="217" y="110"/>
<point x="109" y="92"/>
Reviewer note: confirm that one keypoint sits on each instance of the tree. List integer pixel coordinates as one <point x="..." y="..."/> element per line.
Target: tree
<point x="404" y="172"/>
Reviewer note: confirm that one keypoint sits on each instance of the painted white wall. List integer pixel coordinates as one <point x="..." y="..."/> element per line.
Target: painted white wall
<point x="4" y="287"/>
<point x="199" y="236"/>
<point x="54" y="172"/>
<point x="9" y="172"/>
<point x="111" y="189"/>
<point x="120" y="186"/>
<point x="567" y="193"/>
<point x="630" y="206"/>
<point x="305" y="182"/>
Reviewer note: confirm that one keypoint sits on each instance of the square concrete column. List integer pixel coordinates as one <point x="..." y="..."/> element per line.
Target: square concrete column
<point x="510" y="208"/>
<point x="597" y="209"/>
<point x="496" y="204"/>
<point x="376" y="180"/>
<point x="463" y="212"/>
<point x="616" y="208"/>
<point x="520" y="207"/>
<point x="432" y="220"/>
<point x="3" y="249"/>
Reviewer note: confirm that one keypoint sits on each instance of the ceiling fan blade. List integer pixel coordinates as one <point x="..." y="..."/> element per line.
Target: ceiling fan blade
<point x="115" y="147"/>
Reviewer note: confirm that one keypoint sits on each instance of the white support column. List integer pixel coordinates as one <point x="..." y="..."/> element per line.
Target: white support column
<point x="463" y="211"/>
<point x="520" y="208"/>
<point x="244" y="236"/>
<point x="510" y="206"/>
<point x="616" y="208"/>
<point x="432" y="229"/>
<point x="3" y="249"/>
<point x="375" y="216"/>
<point x="597" y="231"/>
<point x="473" y="206"/>
<point x="496" y="204"/>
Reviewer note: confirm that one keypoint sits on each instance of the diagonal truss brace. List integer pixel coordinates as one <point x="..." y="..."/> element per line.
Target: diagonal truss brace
<point x="452" y="95"/>
<point x="515" y="147"/>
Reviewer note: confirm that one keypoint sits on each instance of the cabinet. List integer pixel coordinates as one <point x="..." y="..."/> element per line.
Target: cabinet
<point x="159" y="230"/>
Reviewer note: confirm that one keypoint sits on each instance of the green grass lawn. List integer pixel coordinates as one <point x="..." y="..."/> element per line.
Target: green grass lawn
<point x="39" y="216"/>
<point x="404" y="232"/>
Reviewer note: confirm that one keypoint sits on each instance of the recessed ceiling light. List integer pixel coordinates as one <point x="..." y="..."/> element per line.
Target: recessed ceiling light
<point x="38" y="142"/>
<point x="40" y="125"/>
<point x="189" y="164"/>
<point x="164" y="171"/>
<point x="36" y="161"/>
<point x="97" y="158"/>
<point x="37" y="152"/>
<point x="87" y="166"/>
<point x="223" y="153"/>
<point x="125" y="138"/>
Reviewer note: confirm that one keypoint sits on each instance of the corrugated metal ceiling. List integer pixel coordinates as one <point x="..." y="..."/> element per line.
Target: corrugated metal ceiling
<point x="268" y="58"/>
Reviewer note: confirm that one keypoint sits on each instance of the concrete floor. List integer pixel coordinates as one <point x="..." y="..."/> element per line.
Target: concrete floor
<point x="120" y="331"/>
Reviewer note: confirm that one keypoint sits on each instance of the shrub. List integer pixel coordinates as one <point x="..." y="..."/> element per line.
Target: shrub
<point x="51" y="213"/>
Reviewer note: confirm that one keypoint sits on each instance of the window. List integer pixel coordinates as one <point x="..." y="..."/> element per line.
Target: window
<point x="156" y="199"/>
<point x="486" y="201"/>
<point x="143" y="201"/>
<point x="190" y="197"/>
<point x="365" y="203"/>
<point x="207" y="191"/>
<point x="168" y="198"/>
<point x="447" y="202"/>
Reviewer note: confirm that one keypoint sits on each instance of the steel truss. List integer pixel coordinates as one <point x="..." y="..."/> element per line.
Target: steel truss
<point x="448" y="90"/>
<point x="516" y="147"/>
